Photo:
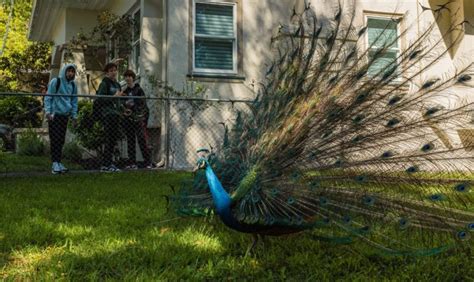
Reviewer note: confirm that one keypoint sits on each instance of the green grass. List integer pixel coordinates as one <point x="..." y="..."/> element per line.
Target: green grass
<point x="115" y="226"/>
<point x="10" y="162"/>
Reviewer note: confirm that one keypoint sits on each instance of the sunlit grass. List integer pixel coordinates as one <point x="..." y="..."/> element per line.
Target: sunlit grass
<point x="116" y="226"/>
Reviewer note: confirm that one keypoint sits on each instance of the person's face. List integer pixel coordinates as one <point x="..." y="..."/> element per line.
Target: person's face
<point x="112" y="73"/>
<point x="70" y="73"/>
<point x="129" y="79"/>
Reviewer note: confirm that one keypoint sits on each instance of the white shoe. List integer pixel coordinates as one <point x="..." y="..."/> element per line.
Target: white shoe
<point x="56" y="168"/>
<point x="132" y="167"/>
<point x="110" y="168"/>
<point x="63" y="168"/>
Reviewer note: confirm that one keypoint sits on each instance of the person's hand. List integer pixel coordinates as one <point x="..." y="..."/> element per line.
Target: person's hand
<point x="49" y="116"/>
<point x="119" y="93"/>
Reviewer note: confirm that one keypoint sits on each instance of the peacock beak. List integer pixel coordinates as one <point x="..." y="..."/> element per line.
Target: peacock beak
<point x="203" y="155"/>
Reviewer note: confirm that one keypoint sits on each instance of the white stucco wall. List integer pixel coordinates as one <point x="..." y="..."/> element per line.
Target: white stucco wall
<point x="259" y="20"/>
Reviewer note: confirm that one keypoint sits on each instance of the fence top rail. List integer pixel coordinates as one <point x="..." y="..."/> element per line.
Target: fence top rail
<point x="93" y="96"/>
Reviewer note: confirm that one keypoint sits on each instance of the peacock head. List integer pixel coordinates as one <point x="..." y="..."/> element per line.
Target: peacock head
<point x="203" y="157"/>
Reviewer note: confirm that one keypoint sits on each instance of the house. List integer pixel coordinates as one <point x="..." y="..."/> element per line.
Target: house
<point x="223" y="46"/>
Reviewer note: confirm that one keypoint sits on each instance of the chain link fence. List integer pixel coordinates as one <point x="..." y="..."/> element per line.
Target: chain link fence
<point x="109" y="133"/>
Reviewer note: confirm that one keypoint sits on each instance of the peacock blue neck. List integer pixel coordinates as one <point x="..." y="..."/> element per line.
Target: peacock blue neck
<point x="221" y="198"/>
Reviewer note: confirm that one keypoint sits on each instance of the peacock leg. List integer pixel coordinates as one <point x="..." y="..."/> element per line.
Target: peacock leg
<point x="254" y="243"/>
<point x="263" y="240"/>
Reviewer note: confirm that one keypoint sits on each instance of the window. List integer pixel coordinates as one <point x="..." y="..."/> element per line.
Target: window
<point x="135" y="58"/>
<point x="215" y="38"/>
<point x="382" y="33"/>
<point x="112" y="50"/>
<point x="124" y="46"/>
<point x="117" y="51"/>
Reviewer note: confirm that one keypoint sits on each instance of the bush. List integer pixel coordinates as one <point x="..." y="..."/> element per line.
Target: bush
<point x="30" y="144"/>
<point x="20" y="111"/>
<point x="72" y="151"/>
<point x="89" y="132"/>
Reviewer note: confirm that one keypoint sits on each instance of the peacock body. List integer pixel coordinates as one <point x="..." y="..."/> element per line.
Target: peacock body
<point x="330" y="146"/>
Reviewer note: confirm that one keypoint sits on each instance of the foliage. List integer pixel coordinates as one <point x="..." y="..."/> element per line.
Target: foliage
<point x="116" y="227"/>
<point x="89" y="132"/>
<point x="109" y="28"/>
<point x="30" y="144"/>
<point x="72" y="151"/>
<point x="20" y="111"/>
<point x="24" y="65"/>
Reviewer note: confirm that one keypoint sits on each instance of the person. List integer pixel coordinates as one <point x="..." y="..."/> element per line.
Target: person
<point x="60" y="104"/>
<point x="109" y="112"/>
<point x="135" y="122"/>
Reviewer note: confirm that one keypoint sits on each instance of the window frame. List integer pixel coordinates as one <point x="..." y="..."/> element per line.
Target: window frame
<point x="135" y="65"/>
<point x="399" y="49"/>
<point x="235" y="38"/>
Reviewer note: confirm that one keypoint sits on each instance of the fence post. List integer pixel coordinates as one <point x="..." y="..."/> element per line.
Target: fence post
<point x="167" y="125"/>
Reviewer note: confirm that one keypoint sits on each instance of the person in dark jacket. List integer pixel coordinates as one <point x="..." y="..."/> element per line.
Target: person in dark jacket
<point x="60" y="104"/>
<point x="110" y="112"/>
<point x="135" y="122"/>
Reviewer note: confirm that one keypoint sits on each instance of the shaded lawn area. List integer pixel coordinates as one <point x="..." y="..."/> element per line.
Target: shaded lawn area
<point x="115" y="226"/>
<point x="10" y="162"/>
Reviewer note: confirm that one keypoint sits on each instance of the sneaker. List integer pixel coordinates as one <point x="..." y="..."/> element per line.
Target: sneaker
<point x="133" y="166"/>
<point x="160" y="164"/>
<point x="56" y="169"/>
<point x="63" y="168"/>
<point x="150" y="166"/>
<point x="110" y="168"/>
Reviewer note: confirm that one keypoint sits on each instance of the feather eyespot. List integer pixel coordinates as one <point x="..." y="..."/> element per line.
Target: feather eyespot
<point x="462" y="187"/>
<point x="368" y="200"/>
<point x="361" y="178"/>
<point x="462" y="235"/>
<point x="290" y="201"/>
<point x="464" y="78"/>
<point x="403" y="223"/>
<point x="394" y="100"/>
<point x="393" y="122"/>
<point x="314" y="184"/>
<point x="412" y="169"/>
<point x="436" y="197"/>
<point x="431" y="111"/>
<point x="347" y="219"/>
<point x="323" y="201"/>
<point x="427" y="147"/>
<point x="387" y="154"/>
<point x="358" y="118"/>
<point x="357" y="139"/>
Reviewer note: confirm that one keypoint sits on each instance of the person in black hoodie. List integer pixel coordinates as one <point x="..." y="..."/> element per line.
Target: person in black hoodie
<point x="135" y="121"/>
<point x="109" y="112"/>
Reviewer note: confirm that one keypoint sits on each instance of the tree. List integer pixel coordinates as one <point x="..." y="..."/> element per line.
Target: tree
<point x="24" y="65"/>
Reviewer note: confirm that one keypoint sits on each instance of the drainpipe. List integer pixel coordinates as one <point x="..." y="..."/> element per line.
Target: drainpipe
<point x="166" y="118"/>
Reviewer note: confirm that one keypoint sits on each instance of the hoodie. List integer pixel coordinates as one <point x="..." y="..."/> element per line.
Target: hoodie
<point x="60" y="103"/>
<point x="138" y="106"/>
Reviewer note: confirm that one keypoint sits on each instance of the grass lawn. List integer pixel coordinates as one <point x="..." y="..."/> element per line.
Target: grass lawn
<point x="115" y="226"/>
<point x="10" y="162"/>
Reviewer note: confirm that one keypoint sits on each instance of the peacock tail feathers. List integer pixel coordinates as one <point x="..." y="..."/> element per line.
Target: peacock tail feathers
<point x="350" y="150"/>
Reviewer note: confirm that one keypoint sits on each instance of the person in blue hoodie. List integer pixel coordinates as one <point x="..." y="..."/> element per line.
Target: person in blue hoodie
<point x="60" y="105"/>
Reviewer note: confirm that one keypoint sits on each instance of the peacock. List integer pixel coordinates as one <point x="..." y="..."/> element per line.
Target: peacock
<point x="350" y="142"/>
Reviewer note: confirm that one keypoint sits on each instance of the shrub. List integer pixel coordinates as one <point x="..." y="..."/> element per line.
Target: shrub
<point x="89" y="132"/>
<point x="30" y="144"/>
<point x="72" y="151"/>
<point x="20" y="111"/>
